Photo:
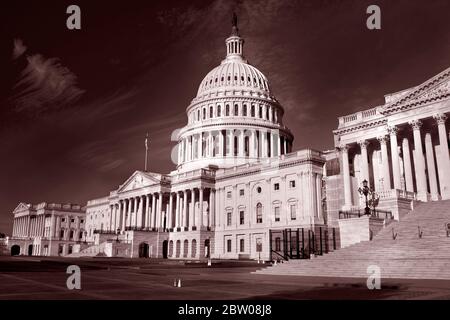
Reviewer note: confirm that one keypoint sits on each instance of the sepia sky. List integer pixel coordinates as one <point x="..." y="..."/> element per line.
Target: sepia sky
<point x="75" y="105"/>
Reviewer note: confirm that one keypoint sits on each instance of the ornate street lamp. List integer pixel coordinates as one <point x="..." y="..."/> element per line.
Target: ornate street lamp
<point x="365" y="190"/>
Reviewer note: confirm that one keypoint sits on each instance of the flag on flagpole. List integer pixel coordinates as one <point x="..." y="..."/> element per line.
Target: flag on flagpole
<point x="146" y="142"/>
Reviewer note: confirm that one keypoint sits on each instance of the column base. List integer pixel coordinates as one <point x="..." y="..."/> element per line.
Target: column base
<point x="423" y="196"/>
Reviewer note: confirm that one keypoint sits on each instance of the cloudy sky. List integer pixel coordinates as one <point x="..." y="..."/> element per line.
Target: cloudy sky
<point x="75" y="105"/>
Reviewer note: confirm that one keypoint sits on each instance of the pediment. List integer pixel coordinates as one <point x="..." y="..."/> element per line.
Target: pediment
<point x="21" y="207"/>
<point x="436" y="88"/>
<point x="139" y="180"/>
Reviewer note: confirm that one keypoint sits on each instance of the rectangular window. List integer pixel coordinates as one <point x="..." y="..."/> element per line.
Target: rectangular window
<point x="63" y="220"/>
<point x="293" y="211"/>
<point x="277" y="213"/>
<point x="229" y="245"/>
<point x="241" y="217"/>
<point x="242" y="245"/>
<point x="276" y="186"/>
<point x="228" y="218"/>
<point x="241" y="192"/>
<point x="292" y="183"/>
<point x="229" y="194"/>
<point x="72" y="220"/>
<point x="82" y="221"/>
<point x="60" y="249"/>
<point x="61" y="234"/>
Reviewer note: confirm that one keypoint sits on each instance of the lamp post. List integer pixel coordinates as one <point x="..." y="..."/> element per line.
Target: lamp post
<point x="365" y="190"/>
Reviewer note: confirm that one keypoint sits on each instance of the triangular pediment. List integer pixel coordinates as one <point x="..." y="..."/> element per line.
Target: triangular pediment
<point x="435" y="88"/>
<point x="21" y="207"/>
<point x="138" y="180"/>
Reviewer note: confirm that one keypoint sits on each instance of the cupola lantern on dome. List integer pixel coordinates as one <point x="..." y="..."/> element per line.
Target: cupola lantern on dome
<point x="234" y="43"/>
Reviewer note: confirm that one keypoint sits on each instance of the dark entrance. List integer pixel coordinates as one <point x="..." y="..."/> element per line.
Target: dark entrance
<point x="301" y="243"/>
<point x="207" y="246"/>
<point x="143" y="250"/>
<point x="30" y="250"/>
<point x="15" y="250"/>
<point x="165" y="247"/>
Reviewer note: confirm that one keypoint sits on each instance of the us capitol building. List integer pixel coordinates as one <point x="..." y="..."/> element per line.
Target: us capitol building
<point x="239" y="191"/>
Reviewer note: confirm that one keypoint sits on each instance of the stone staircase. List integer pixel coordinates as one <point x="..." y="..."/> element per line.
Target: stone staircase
<point x="407" y="257"/>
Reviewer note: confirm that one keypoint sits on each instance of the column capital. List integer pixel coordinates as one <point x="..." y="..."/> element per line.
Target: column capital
<point x="343" y="147"/>
<point x="363" y="144"/>
<point x="440" y="118"/>
<point x="383" y="139"/>
<point x="392" y="130"/>
<point x="415" y="124"/>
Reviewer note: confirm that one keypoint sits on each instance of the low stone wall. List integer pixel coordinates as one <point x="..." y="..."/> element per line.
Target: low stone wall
<point x="354" y="230"/>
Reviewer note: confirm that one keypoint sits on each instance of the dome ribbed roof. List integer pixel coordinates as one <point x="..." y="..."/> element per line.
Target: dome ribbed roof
<point x="234" y="75"/>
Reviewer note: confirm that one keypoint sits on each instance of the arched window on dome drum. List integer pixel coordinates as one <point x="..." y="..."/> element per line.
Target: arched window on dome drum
<point x="260" y="112"/>
<point x="253" y="110"/>
<point x="198" y="115"/>
<point x="236" y="110"/>
<point x="267" y="112"/>
<point x="244" y="110"/>
<point x="236" y="146"/>
<point x="204" y="113"/>
<point x="227" y="110"/>
<point x="211" y="112"/>
<point x="218" y="111"/>
<point x="259" y="213"/>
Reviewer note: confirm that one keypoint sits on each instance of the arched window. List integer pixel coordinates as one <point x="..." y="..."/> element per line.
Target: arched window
<point x="259" y="213"/>
<point x="218" y="111"/>
<point x="204" y="114"/>
<point x="170" y="248"/>
<point x="227" y="110"/>
<point x="260" y="111"/>
<point x="246" y="146"/>
<point x="186" y="248"/>
<point x="244" y="110"/>
<point x="198" y="115"/>
<point x="194" y="248"/>
<point x="253" y="110"/>
<point x="236" y="110"/>
<point x="211" y="111"/>
<point x="178" y="248"/>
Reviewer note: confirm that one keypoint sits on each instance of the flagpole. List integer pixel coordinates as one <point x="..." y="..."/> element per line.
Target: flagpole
<point x="146" y="152"/>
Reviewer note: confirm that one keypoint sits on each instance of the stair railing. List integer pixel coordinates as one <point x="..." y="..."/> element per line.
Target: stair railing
<point x="282" y="256"/>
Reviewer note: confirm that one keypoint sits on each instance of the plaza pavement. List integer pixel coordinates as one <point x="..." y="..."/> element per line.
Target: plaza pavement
<point x="118" y="278"/>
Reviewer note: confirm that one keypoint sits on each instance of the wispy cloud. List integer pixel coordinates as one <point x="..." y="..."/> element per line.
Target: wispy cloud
<point x="44" y="84"/>
<point x="19" y="48"/>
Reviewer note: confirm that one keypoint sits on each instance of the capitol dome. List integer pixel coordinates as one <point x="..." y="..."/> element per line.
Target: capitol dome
<point x="234" y="118"/>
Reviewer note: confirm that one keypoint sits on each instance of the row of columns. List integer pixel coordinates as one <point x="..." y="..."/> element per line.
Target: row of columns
<point x="263" y="112"/>
<point x="162" y="210"/>
<point x="423" y="165"/>
<point x="232" y="143"/>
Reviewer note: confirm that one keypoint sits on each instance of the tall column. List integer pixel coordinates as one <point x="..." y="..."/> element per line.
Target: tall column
<point x="231" y="145"/>
<point x="200" y="146"/>
<point x="395" y="158"/>
<point x="346" y="177"/>
<point x="192" y="209"/>
<point x="241" y="143"/>
<point x="444" y="160"/>
<point x="177" y="211"/>
<point x="385" y="162"/>
<point x="153" y="216"/>
<point x="185" y="212"/>
<point x="407" y="165"/>
<point x="170" y="213"/>
<point x="365" y="160"/>
<point x="431" y="167"/>
<point x="272" y="144"/>
<point x="211" y="208"/>
<point x="200" y="207"/>
<point x="421" y="179"/>
<point x="123" y="213"/>
<point x="160" y="214"/>
<point x="251" y="144"/>
<point x="221" y="147"/>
